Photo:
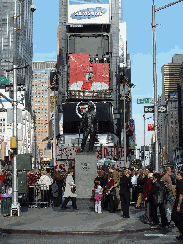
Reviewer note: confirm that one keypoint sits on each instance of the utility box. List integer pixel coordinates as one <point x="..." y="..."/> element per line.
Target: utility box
<point x="22" y="182"/>
<point x="24" y="162"/>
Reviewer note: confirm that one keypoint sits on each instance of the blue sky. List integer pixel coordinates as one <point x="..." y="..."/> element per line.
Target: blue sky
<point x="138" y="17"/>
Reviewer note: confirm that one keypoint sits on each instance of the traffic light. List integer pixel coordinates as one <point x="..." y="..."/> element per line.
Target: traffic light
<point x="142" y="155"/>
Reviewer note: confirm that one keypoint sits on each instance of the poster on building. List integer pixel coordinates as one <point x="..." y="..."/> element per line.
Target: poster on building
<point x="88" y="11"/>
<point x="60" y="123"/>
<point x="87" y="76"/>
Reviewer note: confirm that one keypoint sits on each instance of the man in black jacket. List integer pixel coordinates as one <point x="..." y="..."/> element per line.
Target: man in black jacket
<point x="125" y="185"/>
<point x="177" y="212"/>
<point x="157" y="199"/>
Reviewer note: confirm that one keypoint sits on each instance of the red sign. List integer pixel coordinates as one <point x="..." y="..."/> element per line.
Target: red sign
<point x="110" y="152"/>
<point x="150" y="127"/>
<point x="87" y="76"/>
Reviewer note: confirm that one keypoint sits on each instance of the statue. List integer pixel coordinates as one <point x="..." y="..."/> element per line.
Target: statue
<point x="89" y="126"/>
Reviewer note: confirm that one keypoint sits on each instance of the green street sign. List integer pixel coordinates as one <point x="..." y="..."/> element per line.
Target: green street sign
<point x="4" y="80"/>
<point x="145" y="100"/>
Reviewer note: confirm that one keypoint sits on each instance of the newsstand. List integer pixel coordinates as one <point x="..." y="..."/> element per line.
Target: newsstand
<point x="6" y="200"/>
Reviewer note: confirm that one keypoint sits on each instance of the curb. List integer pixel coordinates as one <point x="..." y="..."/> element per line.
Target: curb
<point x="46" y="232"/>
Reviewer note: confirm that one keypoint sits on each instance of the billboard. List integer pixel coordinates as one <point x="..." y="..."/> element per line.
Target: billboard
<point x="87" y="76"/>
<point x="88" y="12"/>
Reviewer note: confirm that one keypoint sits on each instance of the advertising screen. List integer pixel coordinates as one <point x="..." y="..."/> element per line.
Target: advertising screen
<point x="88" y="12"/>
<point x="87" y="76"/>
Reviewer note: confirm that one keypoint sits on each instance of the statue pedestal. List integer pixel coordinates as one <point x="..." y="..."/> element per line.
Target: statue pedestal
<point x="85" y="173"/>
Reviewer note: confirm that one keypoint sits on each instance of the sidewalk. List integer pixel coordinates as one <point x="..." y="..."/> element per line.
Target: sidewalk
<point x="53" y="221"/>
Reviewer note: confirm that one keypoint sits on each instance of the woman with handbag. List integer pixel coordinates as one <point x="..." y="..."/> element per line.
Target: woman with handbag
<point x="70" y="189"/>
<point x="157" y="197"/>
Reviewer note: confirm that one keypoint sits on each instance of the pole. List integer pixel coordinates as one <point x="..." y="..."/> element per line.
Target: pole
<point x="15" y="205"/>
<point x="155" y="90"/>
<point x="35" y="140"/>
<point x="54" y="131"/>
<point x="155" y="79"/>
<point x="144" y="139"/>
<point x="124" y="132"/>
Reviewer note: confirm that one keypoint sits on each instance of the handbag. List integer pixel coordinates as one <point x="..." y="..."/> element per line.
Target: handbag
<point x="73" y="189"/>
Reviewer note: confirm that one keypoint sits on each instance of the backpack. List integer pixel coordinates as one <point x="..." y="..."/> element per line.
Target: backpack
<point x="54" y="188"/>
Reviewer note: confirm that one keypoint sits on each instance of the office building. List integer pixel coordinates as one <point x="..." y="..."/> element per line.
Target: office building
<point x="24" y="45"/>
<point x="41" y="102"/>
<point x="171" y="76"/>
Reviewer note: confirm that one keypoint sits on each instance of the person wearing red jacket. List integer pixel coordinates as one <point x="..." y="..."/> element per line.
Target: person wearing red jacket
<point x="2" y="175"/>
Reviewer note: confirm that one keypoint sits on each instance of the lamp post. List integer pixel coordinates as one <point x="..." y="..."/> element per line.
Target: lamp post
<point x="154" y="10"/>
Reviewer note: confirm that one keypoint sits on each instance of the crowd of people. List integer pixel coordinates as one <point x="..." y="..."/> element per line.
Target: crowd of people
<point x="142" y="189"/>
<point x="113" y="190"/>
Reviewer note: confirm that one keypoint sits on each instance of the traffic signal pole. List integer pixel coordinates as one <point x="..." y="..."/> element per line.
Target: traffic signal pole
<point x="15" y="207"/>
<point x="155" y="81"/>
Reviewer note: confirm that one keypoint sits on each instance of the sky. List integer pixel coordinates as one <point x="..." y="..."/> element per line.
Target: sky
<point x="138" y="17"/>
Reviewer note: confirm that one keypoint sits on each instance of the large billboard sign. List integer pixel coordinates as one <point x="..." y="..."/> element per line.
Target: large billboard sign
<point x="88" y="11"/>
<point x="87" y="76"/>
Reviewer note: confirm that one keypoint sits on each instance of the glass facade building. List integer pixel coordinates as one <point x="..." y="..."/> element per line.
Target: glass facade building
<point x="24" y="44"/>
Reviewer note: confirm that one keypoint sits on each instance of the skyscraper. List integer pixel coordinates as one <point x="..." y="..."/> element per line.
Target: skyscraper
<point x="171" y="76"/>
<point x="24" y="42"/>
<point x="41" y="101"/>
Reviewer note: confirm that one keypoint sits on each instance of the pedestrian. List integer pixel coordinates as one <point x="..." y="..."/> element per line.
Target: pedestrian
<point x="116" y="177"/>
<point x="140" y="189"/>
<point x="125" y="185"/>
<point x="98" y="196"/>
<point x="157" y="198"/>
<point x="112" y="194"/>
<point x="69" y="193"/>
<point x="177" y="212"/>
<point x="148" y="188"/>
<point x="105" y="192"/>
<point x="8" y="182"/>
<point x="33" y="177"/>
<point x="134" y="186"/>
<point x="45" y="182"/>
<point x="57" y="188"/>
<point x="170" y="197"/>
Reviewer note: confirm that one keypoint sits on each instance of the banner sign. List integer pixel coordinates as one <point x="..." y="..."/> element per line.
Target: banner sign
<point x="87" y="76"/>
<point x="88" y="12"/>
<point x="150" y="127"/>
<point x="106" y="152"/>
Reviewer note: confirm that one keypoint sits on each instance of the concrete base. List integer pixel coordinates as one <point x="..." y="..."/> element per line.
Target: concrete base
<point x="85" y="203"/>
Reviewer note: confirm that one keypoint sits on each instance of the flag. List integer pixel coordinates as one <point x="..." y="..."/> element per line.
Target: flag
<point x="150" y="127"/>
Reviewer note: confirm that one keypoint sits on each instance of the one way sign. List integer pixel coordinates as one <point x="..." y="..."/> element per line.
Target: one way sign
<point x="162" y="109"/>
<point x="148" y="109"/>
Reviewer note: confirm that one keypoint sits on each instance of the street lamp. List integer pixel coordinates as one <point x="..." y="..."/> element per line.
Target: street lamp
<point x="155" y="79"/>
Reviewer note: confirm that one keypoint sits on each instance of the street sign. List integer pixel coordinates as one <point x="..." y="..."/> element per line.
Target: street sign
<point x="162" y="109"/>
<point x="145" y="100"/>
<point x="148" y="109"/>
<point x="4" y="80"/>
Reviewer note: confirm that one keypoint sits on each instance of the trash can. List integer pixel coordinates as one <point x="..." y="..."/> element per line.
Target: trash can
<point x="6" y="200"/>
